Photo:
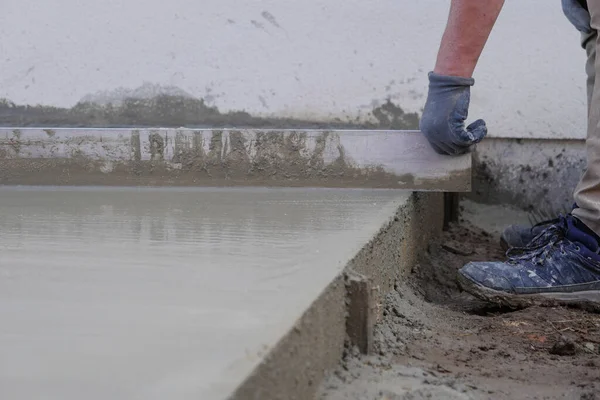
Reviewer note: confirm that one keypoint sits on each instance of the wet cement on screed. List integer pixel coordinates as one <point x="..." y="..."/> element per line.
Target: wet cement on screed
<point x="125" y="293"/>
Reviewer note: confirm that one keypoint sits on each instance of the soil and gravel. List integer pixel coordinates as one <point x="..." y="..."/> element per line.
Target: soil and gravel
<point x="436" y="342"/>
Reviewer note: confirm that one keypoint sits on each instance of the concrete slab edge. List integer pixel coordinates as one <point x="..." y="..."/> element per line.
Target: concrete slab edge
<point x="228" y="157"/>
<point x="294" y="369"/>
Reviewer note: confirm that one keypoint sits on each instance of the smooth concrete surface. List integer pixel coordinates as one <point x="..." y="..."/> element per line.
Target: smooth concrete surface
<point x="130" y="293"/>
<point x="315" y="60"/>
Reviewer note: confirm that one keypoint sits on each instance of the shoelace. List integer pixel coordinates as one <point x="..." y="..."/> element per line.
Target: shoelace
<point x="539" y="248"/>
<point x="547" y="222"/>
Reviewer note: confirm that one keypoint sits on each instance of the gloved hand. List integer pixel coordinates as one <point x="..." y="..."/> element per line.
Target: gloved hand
<point x="577" y="15"/>
<point x="446" y="109"/>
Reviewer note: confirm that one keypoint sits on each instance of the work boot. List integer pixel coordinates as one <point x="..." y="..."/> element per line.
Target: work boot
<point x="521" y="235"/>
<point x="559" y="266"/>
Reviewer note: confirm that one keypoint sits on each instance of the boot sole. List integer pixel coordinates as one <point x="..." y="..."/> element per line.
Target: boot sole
<point x="589" y="300"/>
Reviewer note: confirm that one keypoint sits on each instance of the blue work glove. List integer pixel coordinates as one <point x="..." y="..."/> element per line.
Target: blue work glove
<point x="446" y="109"/>
<point x="577" y="15"/>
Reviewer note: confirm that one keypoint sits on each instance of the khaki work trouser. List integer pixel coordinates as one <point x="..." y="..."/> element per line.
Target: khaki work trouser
<point x="587" y="193"/>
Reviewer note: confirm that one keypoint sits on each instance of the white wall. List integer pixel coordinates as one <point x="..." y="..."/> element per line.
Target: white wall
<point x="311" y="59"/>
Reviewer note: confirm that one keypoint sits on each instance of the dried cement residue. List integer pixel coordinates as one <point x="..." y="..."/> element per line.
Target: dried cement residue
<point x="226" y="158"/>
<point x="169" y="106"/>
<point x="379" y="377"/>
<point x="382" y="379"/>
<point x="532" y="174"/>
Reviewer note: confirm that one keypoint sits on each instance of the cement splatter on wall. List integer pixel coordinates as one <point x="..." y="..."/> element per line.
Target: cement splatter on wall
<point x="176" y="108"/>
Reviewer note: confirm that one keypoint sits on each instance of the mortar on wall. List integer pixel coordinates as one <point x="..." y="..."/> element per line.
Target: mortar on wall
<point x="532" y="174"/>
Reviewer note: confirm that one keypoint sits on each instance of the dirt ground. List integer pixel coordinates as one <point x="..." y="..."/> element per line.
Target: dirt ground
<point x="437" y="342"/>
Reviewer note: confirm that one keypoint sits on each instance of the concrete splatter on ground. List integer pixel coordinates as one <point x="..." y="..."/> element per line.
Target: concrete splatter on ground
<point x="438" y="342"/>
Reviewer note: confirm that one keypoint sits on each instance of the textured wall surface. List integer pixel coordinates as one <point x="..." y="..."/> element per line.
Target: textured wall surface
<point x="277" y="64"/>
<point x="537" y="175"/>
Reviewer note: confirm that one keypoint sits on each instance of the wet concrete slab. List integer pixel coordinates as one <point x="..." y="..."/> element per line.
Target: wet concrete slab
<point x="156" y="293"/>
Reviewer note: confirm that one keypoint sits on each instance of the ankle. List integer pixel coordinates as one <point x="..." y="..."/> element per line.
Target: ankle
<point x="590" y="238"/>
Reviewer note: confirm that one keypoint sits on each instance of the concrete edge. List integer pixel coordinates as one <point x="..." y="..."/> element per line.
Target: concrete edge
<point x="228" y="157"/>
<point x="297" y="365"/>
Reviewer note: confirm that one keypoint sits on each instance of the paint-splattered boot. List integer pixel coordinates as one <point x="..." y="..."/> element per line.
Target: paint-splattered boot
<point x="521" y="235"/>
<point x="559" y="266"/>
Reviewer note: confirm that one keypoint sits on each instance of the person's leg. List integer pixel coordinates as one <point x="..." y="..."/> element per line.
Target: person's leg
<point x="562" y="263"/>
<point x="587" y="193"/>
<point x="521" y="235"/>
<point x="588" y="42"/>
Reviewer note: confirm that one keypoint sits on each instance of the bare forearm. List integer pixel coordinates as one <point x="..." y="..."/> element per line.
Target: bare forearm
<point x="469" y="25"/>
